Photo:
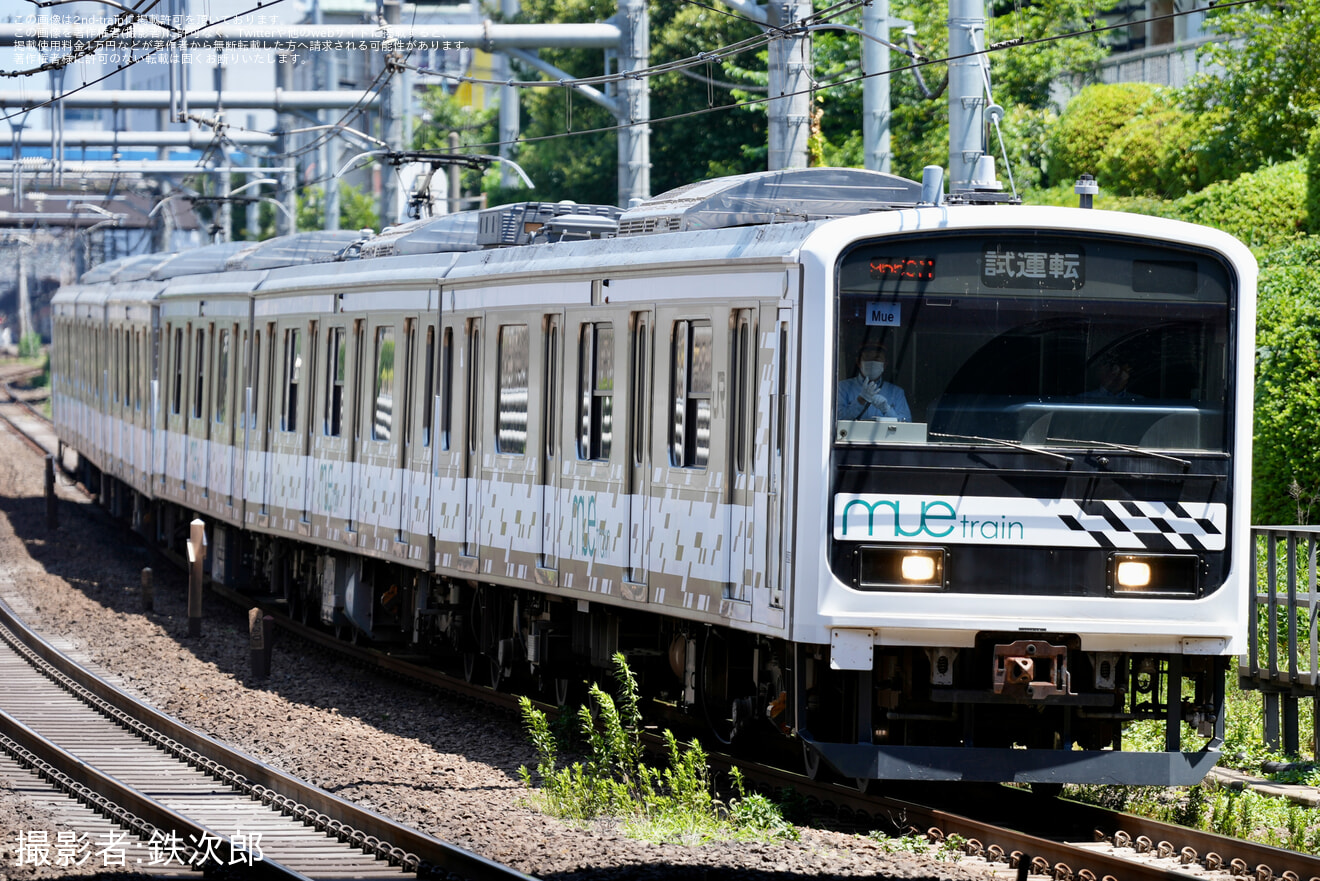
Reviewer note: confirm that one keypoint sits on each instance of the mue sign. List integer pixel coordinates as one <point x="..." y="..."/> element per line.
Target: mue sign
<point x="910" y="268"/>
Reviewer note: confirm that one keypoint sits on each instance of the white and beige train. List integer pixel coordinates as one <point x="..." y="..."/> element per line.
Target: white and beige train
<point x="537" y="435"/>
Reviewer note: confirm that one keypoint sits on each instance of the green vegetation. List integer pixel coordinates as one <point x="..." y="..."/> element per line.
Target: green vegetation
<point x="1286" y="464"/>
<point x="356" y="209"/>
<point x="947" y="849"/>
<point x="29" y="345"/>
<point x="1240" y="813"/>
<point x="676" y="804"/>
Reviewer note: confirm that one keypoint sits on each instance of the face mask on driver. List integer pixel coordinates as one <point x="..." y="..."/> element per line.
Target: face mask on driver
<point x="873" y="370"/>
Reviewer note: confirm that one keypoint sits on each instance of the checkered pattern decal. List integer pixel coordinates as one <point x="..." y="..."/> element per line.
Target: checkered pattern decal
<point x="1152" y="526"/>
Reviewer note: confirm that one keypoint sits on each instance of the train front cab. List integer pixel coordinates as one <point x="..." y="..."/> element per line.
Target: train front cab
<point x="1036" y="559"/>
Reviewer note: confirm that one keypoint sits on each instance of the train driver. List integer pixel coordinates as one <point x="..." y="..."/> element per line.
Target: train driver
<point x="866" y="394"/>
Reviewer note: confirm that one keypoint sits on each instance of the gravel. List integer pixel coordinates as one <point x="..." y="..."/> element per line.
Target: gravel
<point x="450" y="770"/>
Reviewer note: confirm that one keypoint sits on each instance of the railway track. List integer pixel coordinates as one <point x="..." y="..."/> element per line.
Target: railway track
<point x="1035" y="837"/>
<point x="189" y="796"/>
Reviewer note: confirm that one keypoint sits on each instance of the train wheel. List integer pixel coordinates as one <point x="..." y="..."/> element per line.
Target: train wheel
<point x="810" y="761"/>
<point x="718" y="700"/>
<point x="496" y="673"/>
<point x="469" y="666"/>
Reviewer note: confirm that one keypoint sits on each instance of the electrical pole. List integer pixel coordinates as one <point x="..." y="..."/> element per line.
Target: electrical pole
<point x="393" y="107"/>
<point x="790" y="84"/>
<point x="966" y="91"/>
<point x="634" y="102"/>
<point x="510" y="124"/>
<point x="875" y="89"/>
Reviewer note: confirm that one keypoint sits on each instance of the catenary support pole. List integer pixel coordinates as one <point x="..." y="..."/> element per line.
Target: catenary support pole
<point x="966" y="91"/>
<point x="634" y="113"/>
<point x="790" y="84"/>
<point x="875" y="89"/>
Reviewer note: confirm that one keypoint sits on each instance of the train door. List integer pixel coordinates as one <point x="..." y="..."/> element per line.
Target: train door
<point x="639" y="447"/>
<point x="689" y="563"/>
<point x="357" y="371"/>
<point x="594" y="505"/>
<point x="333" y="435"/>
<point x="779" y="415"/>
<point x="223" y="464"/>
<point x="448" y="492"/>
<point x="198" y="424"/>
<point x="742" y="463"/>
<point x="309" y="425"/>
<point x="266" y="424"/>
<point x="552" y="402"/>
<point x="379" y="501"/>
<point x="421" y="434"/>
<point x="470" y="453"/>
<point x="406" y="426"/>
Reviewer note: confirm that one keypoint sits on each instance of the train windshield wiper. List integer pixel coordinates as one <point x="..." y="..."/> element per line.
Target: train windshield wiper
<point x="1140" y="451"/>
<point x="1017" y="445"/>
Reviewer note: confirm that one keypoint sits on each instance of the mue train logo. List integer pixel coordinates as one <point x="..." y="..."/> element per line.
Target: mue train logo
<point x="1103" y="523"/>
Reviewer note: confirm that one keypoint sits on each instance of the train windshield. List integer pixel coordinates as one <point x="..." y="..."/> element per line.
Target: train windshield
<point x="1051" y="340"/>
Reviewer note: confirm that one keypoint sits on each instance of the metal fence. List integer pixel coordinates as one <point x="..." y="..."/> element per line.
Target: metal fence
<point x="1282" y="647"/>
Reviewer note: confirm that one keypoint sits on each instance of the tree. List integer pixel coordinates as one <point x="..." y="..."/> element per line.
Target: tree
<point x="1021" y="78"/>
<point x="703" y="144"/>
<point x="1286" y="463"/>
<point x="357" y="210"/>
<point x="1260" y="105"/>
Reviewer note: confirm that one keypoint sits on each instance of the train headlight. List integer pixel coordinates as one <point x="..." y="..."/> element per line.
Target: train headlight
<point x="918" y="567"/>
<point x="888" y="568"/>
<point x="1132" y="574"/>
<point x="1155" y="575"/>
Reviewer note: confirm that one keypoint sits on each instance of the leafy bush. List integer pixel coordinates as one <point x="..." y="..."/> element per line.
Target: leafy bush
<point x="1078" y="142"/>
<point x="1146" y="156"/>
<point x="676" y="804"/>
<point x="1313" y="182"/>
<point x="1265" y="208"/>
<point x="1286" y="462"/>
<point x="29" y="345"/>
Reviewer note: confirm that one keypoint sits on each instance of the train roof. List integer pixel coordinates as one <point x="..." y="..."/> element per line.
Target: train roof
<point x="208" y="258"/>
<point x="800" y="194"/>
<point x="294" y="250"/>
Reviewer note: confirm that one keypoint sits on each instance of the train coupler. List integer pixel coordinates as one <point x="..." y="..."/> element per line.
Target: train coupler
<point x="1031" y="669"/>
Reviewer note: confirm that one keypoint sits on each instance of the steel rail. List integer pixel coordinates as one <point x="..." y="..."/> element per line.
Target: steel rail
<point x="273" y="786"/>
<point x="130" y="807"/>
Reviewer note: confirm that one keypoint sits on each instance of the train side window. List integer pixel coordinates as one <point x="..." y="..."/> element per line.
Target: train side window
<point x="384" y="386"/>
<point x="690" y="394"/>
<point x="254" y="382"/>
<point x="292" y="372"/>
<point x="131" y="396"/>
<point x="428" y="388"/>
<point x="551" y="388"/>
<point x="640" y="390"/>
<point x="200" y="364"/>
<point x="511" y="430"/>
<point x="336" y="350"/>
<point x="595" y="391"/>
<point x="177" y="402"/>
<point x="447" y="388"/>
<point x="742" y="369"/>
<point x="115" y="363"/>
<point x="222" y="376"/>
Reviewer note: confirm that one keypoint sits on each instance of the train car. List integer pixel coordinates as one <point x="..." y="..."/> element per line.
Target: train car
<point x="943" y="489"/>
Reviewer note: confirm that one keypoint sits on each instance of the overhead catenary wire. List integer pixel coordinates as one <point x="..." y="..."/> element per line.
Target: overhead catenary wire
<point x="917" y="64"/>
